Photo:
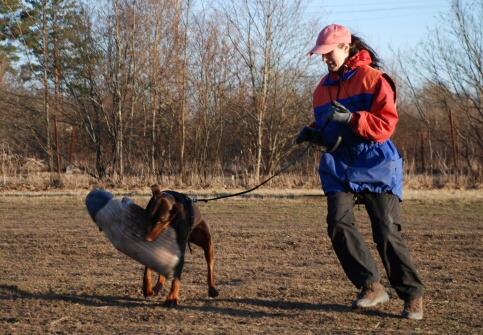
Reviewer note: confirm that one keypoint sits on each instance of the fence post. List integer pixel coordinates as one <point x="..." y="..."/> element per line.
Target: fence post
<point x="453" y="142"/>
<point x="423" y="161"/>
<point x="57" y="151"/>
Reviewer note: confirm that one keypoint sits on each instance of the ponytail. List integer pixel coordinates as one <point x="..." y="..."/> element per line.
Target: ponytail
<point x="358" y="44"/>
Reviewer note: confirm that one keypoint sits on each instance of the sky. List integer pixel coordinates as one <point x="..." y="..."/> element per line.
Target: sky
<point x="383" y="24"/>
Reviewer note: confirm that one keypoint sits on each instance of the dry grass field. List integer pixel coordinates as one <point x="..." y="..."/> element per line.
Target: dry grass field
<point x="274" y="267"/>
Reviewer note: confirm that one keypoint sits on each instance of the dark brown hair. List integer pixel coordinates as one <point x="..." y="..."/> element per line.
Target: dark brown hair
<point x="358" y="44"/>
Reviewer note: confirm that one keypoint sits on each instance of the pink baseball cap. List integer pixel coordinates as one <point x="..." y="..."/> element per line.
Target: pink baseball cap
<point x="329" y="38"/>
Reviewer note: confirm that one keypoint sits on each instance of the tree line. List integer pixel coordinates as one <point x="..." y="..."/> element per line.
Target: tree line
<point x="198" y="89"/>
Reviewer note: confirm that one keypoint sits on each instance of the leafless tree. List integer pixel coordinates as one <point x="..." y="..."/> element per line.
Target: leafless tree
<point x="266" y="37"/>
<point x="210" y="89"/>
<point x="444" y="76"/>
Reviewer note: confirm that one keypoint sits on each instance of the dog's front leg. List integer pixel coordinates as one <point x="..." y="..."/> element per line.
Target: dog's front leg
<point x="147" y="285"/>
<point x="172" y="299"/>
<point x="159" y="285"/>
<point x="148" y="289"/>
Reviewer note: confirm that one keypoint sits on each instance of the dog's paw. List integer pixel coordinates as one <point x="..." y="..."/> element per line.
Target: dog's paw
<point x="213" y="292"/>
<point x="157" y="288"/>
<point x="171" y="302"/>
<point x="148" y="294"/>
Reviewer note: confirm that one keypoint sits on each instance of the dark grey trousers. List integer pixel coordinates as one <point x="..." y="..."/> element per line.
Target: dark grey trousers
<point x="353" y="252"/>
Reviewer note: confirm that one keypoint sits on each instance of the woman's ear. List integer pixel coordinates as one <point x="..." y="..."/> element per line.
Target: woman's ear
<point x="347" y="47"/>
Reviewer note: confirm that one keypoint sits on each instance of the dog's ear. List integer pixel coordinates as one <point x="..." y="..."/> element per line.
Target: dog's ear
<point x="156" y="191"/>
<point x="176" y="213"/>
<point x="158" y="211"/>
<point x="178" y="208"/>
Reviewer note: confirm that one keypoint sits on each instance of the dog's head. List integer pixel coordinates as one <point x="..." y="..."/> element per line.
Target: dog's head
<point x="163" y="211"/>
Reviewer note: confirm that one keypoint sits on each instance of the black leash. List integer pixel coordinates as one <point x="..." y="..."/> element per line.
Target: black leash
<point x="316" y="137"/>
<point x="261" y="184"/>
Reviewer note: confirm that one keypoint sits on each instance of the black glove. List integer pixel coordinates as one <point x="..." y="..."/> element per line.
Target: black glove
<point x="338" y="113"/>
<point x="306" y="134"/>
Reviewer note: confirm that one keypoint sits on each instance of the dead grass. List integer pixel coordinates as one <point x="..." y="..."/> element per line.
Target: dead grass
<point x="288" y="181"/>
<point x="275" y="269"/>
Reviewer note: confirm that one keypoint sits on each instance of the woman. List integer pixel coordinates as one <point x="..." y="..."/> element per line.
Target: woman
<point x="356" y="101"/>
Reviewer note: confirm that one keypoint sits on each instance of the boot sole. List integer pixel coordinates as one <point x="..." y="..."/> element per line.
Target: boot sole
<point x="412" y="316"/>
<point x="366" y="303"/>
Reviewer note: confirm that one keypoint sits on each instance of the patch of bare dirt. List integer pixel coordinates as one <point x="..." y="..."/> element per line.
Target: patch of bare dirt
<point x="274" y="267"/>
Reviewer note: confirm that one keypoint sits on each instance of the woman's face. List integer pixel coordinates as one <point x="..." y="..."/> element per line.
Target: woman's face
<point x="336" y="58"/>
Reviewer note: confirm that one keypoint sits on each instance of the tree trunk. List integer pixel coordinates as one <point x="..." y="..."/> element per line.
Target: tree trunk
<point x="48" y="145"/>
<point x="118" y="98"/>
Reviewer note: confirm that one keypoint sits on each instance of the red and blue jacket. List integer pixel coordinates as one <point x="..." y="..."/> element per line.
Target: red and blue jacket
<point x="366" y="159"/>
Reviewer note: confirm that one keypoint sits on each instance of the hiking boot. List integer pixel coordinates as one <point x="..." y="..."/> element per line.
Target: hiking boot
<point x="413" y="309"/>
<point x="370" y="296"/>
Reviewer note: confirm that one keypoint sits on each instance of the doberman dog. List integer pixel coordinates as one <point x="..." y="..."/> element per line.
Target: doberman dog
<point x="169" y="208"/>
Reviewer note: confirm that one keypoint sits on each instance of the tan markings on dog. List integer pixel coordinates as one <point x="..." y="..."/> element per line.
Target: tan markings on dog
<point x="164" y="211"/>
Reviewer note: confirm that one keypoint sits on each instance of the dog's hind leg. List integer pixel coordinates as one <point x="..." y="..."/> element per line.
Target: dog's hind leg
<point x="201" y="236"/>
